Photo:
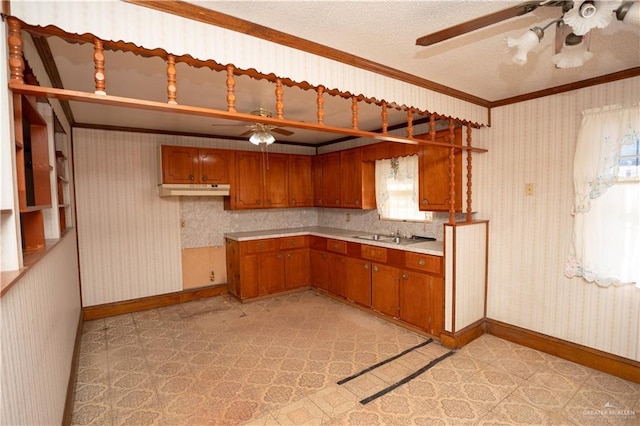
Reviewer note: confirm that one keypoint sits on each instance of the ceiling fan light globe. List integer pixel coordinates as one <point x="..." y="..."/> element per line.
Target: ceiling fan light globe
<point x="262" y="137"/>
<point x="587" y="15"/>
<point x="525" y="43"/>
<point x="572" y="56"/>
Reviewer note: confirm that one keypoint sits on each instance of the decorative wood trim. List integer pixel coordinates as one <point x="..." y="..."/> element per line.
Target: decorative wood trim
<point x="98" y="60"/>
<point x="16" y="60"/>
<point x="608" y="78"/>
<point x="208" y="16"/>
<point x="120" y="101"/>
<point x="469" y="217"/>
<point x="466" y="335"/>
<point x="608" y="363"/>
<point x="71" y="386"/>
<point x="172" y="89"/>
<point x="231" y="94"/>
<point x="151" y="302"/>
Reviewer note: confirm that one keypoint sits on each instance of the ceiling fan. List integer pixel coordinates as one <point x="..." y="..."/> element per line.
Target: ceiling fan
<point x="260" y="133"/>
<point x="572" y="34"/>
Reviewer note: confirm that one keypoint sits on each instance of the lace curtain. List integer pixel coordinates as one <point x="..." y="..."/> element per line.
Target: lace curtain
<point x="605" y="244"/>
<point x="398" y="177"/>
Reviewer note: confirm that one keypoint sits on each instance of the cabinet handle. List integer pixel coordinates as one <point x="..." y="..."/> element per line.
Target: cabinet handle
<point x="425" y="202"/>
<point x="357" y="202"/>
<point x="261" y="245"/>
<point x="405" y="276"/>
<point x="293" y="201"/>
<point x="421" y="262"/>
<point x="337" y="201"/>
<point x="192" y="178"/>
<point x="279" y="256"/>
<point x="366" y="266"/>
<point x="288" y="255"/>
<point x="204" y="178"/>
<point x="375" y="269"/>
<point x="292" y="242"/>
<point x="335" y="245"/>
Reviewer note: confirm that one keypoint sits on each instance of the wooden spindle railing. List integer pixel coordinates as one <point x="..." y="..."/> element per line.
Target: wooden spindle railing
<point x="452" y="174"/>
<point x="320" y="104"/>
<point x="432" y="127"/>
<point x="98" y="60"/>
<point x="172" y="89"/>
<point x="16" y="61"/>
<point x="231" y="94"/>
<point x="385" y="117"/>
<point x="354" y="112"/>
<point x="469" y="159"/>
<point x="279" y="102"/>
<point x="410" y="123"/>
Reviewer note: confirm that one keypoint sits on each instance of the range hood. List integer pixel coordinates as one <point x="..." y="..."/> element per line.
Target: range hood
<point x="198" y="190"/>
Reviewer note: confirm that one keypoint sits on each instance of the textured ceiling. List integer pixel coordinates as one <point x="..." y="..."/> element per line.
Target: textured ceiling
<point x="477" y="63"/>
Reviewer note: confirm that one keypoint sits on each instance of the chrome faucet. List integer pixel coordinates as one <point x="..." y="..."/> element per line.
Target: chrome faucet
<point x="397" y="233"/>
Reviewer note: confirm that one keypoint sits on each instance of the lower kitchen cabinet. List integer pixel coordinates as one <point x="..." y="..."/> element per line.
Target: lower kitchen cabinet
<point x="320" y="269"/>
<point x="338" y="274"/>
<point x="385" y="293"/>
<point x="359" y="281"/>
<point x="270" y="272"/>
<point x="419" y="304"/>
<point x="296" y="268"/>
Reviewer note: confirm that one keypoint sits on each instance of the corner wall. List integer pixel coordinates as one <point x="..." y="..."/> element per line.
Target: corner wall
<point x="534" y="142"/>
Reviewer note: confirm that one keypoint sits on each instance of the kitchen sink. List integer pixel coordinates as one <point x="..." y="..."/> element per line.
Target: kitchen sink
<point x="395" y="240"/>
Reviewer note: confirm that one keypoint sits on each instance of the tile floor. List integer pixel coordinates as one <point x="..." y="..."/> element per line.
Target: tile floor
<point x="277" y="362"/>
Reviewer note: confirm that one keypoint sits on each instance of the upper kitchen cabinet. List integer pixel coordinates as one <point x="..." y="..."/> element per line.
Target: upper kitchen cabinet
<point x="262" y="181"/>
<point x="182" y="164"/>
<point x="434" y="173"/>
<point x="342" y="179"/>
<point x="300" y="181"/>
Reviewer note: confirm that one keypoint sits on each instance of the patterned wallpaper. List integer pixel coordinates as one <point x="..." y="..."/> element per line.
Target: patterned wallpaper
<point x="534" y="142"/>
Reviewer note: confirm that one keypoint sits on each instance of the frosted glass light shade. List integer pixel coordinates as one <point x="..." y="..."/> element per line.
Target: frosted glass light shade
<point x="262" y="137"/>
<point x="587" y="15"/>
<point x="525" y="43"/>
<point x="572" y="56"/>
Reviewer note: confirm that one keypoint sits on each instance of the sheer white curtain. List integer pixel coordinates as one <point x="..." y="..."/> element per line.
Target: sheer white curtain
<point x="397" y="188"/>
<point x="605" y="246"/>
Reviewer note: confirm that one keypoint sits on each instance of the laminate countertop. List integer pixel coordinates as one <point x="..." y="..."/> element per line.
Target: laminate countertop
<point x="435" y="248"/>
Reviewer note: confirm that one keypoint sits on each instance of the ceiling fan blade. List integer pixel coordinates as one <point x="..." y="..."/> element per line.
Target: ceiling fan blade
<point x="247" y="133"/>
<point x="475" y="24"/>
<point x="281" y="131"/>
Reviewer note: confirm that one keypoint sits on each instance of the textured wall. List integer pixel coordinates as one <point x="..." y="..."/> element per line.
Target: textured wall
<point x="38" y="321"/>
<point x="534" y="142"/>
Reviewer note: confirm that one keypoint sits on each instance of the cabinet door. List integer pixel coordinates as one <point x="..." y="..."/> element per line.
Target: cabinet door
<point x="276" y="173"/>
<point x="316" y="164"/>
<point x="338" y="274"/>
<point x="359" y="281"/>
<point x="296" y="268"/>
<point x="248" y="279"/>
<point x="436" y="306"/>
<point x="300" y="181"/>
<point x="215" y="165"/>
<point x="434" y="173"/>
<point x="384" y="289"/>
<point x="320" y="269"/>
<point x="249" y="188"/>
<point x="331" y="176"/>
<point x="351" y="185"/>
<point x="414" y="298"/>
<point x="179" y="164"/>
<point x="270" y="273"/>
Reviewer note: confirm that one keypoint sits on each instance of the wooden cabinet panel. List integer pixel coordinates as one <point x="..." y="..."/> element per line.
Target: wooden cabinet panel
<point x="434" y="173"/>
<point x="296" y="268"/>
<point x="215" y="165"/>
<point x="337" y="246"/>
<point x="270" y="273"/>
<point x="249" y="188"/>
<point x="276" y="180"/>
<point x="248" y="276"/>
<point x="320" y="272"/>
<point x="316" y="166"/>
<point x="300" y="181"/>
<point x="373" y="253"/>
<point x="331" y="177"/>
<point x="338" y="274"/>
<point x="359" y="281"/>
<point x="260" y="246"/>
<point x="424" y="262"/>
<point x="299" y="241"/>
<point x="351" y="185"/>
<point x="436" y="306"/>
<point x="414" y="298"/>
<point x="384" y="289"/>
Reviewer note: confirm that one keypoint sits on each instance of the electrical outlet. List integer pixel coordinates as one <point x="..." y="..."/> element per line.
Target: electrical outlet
<point x="348" y="217"/>
<point x="212" y="276"/>
<point x="528" y="189"/>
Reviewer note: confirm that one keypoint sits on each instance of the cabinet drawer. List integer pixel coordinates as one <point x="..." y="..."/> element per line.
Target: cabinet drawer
<point x="373" y="253"/>
<point x="337" y="246"/>
<point x="423" y="262"/>
<point x="293" y="242"/>
<point x="259" y="246"/>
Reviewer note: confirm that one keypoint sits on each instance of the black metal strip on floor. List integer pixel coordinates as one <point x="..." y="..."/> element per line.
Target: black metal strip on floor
<point x="406" y="379"/>
<point x="381" y="363"/>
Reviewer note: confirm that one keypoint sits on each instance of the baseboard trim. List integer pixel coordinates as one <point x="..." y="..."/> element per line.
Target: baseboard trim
<point x="466" y="335"/>
<point x="67" y="415"/>
<point x="151" y="302"/>
<point x="608" y="363"/>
